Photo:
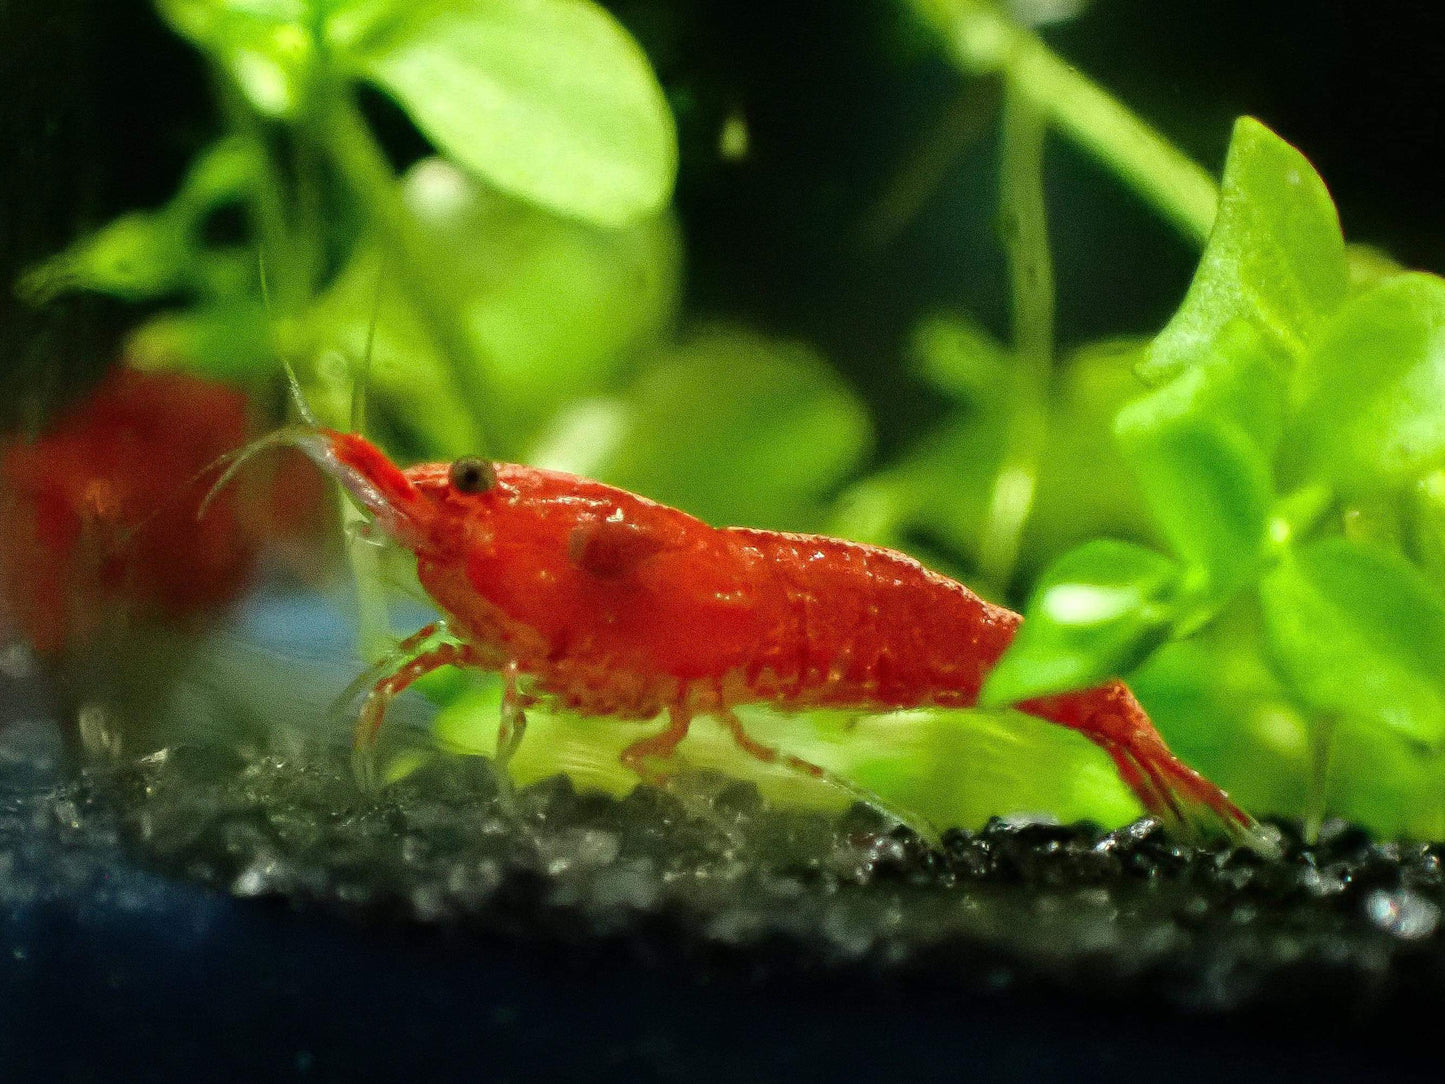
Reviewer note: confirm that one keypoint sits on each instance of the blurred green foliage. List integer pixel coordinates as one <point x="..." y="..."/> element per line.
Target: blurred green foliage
<point x="1245" y="516"/>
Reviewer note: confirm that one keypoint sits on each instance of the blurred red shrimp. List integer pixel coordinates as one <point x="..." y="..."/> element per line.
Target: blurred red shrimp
<point x="98" y="523"/>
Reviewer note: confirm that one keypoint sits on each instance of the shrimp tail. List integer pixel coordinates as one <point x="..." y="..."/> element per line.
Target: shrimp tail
<point x="1186" y="802"/>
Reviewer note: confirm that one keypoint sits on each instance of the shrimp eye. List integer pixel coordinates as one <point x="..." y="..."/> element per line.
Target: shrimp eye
<point x="471" y="474"/>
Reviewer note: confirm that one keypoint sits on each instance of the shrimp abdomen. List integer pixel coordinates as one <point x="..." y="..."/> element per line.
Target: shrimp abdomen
<point x="870" y="627"/>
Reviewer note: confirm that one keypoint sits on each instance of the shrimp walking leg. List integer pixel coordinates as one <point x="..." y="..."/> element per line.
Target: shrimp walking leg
<point x="642" y="756"/>
<point x="511" y="729"/>
<point x="512" y="726"/>
<point x="373" y="712"/>
<point x="1155" y="801"/>
<point x="770" y="755"/>
<point x="394" y="660"/>
<point x="660" y="746"/>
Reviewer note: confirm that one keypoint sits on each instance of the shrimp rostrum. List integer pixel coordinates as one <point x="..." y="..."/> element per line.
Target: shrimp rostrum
<point x="607" y="603"/>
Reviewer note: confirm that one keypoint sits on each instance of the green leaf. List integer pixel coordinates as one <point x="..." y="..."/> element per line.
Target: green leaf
<point x="549" y="100"/>
<point x="1095" y="614"/>
<point x="1372" y="393"/>
<point x="1370" y="265"/>
<point x="1210" y="492"/>
<point x="147" y="255"/>
<point x="960" y="358"/>
<point x="908" y="758"/>
<point x="1226" y="712"/>
<point x="265" y="45"/>
<point x="555" y="307"/>
<point x="1276" y="257"/>
<point x="1361" y="634"/>
<point x="229" y="341"/>
<point x="734" y="427"/>
<point x="1085" y="489"/>
<point x="1426" y="523"/>
<point x="223" y="173"/>
<point x="1201" y="447"/>
<point x="137" y="257"/>
<point x="938" y="489"/>
<point x="1241" y="381"/>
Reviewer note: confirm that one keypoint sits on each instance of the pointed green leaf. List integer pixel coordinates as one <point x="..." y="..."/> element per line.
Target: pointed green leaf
<point x="145" y="255"/>
<point x="1276" y="257"/>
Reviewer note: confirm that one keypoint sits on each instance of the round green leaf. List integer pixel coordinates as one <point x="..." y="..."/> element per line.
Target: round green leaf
<point x="555" y="308"/>
<point x="1095" y="614"/>
<point x="1372" y="410"/>
<point x="1210" y="492"/>
<point x="734" y="427"/>
<point x="1201" y="447"/>
<point x="1276" y="256"/>
<point x="1360" y="633"/>
<point x="549" y="100"/>
<point x="960" y="358"/>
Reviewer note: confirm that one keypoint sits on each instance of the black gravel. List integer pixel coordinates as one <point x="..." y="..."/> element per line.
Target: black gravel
<point x="714" y="882"/>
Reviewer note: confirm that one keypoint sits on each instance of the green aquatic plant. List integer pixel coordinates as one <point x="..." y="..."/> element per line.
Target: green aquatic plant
<point x="1239" y="516"/>
<point x="562" y="156"/>
<point x="1284" y="453"/>
<point x="1287" y="450"/>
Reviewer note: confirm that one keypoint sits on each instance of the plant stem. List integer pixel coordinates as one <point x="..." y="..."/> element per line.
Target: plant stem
<point x="968" y="118"/>
<point x="1024" y="222"/>
<point x="265" y="202"/>
<point x="984" y="40"/>
<point x="1322" y="743"/>
<point x="365" y="168"/>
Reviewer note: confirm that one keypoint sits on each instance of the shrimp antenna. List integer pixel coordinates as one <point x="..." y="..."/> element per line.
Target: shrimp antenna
<point x="361" y="375"/>
<point x="234" y="460"/>
<point x="298" y="398"/>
